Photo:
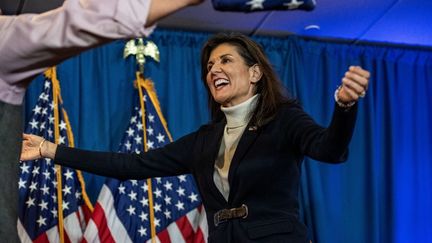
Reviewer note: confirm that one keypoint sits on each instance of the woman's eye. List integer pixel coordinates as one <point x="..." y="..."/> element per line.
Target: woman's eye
<point x="209" y="67"/>
<point x="225" y="60"/>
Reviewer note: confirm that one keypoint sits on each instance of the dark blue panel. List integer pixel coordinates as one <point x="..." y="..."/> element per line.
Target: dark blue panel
<point x="408" y="22"/>
<point x="335" y="19"/>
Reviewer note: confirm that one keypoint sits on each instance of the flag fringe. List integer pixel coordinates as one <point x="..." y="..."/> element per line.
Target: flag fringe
<point x="148" y="85"/>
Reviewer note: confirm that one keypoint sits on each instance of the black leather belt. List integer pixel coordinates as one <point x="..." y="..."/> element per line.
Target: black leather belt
<point x="231" y="213"/>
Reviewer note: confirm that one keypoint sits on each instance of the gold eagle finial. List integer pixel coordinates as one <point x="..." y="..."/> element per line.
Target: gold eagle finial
<point x="140" y="50"/>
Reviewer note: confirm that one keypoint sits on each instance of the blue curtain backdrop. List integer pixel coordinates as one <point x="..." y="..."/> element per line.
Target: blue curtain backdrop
<point x="384" y="191"/>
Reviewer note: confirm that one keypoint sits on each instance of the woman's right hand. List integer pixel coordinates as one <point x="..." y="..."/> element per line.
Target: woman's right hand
<point x="35" y="147"/>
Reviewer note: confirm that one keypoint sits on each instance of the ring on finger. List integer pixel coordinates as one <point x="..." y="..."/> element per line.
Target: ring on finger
<point x="362" y="94"/>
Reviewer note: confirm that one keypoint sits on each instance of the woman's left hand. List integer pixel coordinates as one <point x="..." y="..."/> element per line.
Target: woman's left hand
<point x="354" y="84"/>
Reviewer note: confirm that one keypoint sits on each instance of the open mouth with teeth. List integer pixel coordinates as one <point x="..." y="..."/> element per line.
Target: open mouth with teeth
<point x="220" y="83"/>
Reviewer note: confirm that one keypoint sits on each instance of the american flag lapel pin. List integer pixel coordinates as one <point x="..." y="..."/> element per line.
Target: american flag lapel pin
<point x="252" y="128"/>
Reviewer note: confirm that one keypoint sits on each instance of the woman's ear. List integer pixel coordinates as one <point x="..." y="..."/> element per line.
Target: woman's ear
<point x="255" y="73"/>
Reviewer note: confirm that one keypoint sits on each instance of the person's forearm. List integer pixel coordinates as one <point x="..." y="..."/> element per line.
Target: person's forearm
<point x="162" y="8"/>
<point x="30" y="43"/>
<point x="333" y="145"/>
<point x="48" y="150"/>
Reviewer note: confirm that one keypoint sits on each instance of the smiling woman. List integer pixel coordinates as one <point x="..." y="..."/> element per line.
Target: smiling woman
<point x="257" y="134"/>
<point x="252" y="73"/>
<point x="229" y="79"/>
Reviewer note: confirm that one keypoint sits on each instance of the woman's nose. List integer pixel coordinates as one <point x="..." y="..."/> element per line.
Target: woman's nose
<point x="215" y="68"/>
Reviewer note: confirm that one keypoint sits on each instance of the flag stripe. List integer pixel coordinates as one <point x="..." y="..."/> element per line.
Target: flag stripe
<point x="199" y="236"/>
<point x="203" y="226"/>
<point x="118" y="231"/>
<point x="179" y="234"/>
<point x="92" y="235"/>
<point x="24" y="237"/>
<point x="164" y="236"/>
<point x="43" y="238"/>
<point x="104" y="233"/>
<point x="184" y="227"/>
<point x="72" y="227"/>
<point x="194" y="218"/>
<point x="52" y="235"/>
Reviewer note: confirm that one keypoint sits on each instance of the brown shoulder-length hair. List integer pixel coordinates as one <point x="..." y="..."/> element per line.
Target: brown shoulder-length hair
<point x="272" y="93"/>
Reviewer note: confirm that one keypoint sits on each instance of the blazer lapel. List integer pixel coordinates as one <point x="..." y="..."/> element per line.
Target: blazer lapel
<point x="249" y="136"/>
<point x="211" y="149"/>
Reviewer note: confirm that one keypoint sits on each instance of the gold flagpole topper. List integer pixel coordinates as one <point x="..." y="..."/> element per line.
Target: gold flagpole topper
<point x="140" y="50"/>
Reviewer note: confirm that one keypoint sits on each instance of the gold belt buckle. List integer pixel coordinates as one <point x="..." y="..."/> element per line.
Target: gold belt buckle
<point x="224" y="215"/>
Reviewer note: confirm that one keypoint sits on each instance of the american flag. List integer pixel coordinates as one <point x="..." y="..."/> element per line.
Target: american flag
<point x="126" y="211"/>
<point x="39" y="185"/>
<point x="262" y="5"/>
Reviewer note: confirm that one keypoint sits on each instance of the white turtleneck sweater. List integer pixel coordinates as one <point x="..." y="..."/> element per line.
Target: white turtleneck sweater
<point x="237" y="119"/>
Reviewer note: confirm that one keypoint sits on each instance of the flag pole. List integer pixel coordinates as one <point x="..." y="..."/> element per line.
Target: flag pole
<point x="139" y="81"/>
<point x="140" y="50"/>
<point x="52" y="74"/>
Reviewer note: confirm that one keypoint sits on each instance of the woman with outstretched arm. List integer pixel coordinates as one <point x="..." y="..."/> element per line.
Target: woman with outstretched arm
<point x="257" y="134"/>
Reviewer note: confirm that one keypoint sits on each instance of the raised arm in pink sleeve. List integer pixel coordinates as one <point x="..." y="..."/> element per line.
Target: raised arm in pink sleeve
<point x="31" y="43"/>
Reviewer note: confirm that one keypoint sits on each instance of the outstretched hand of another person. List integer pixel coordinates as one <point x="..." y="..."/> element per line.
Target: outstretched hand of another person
<point x="195" y="2"/>
<point x="354" y="85"/>
<point x="162" y="8"/>
<point x="35" y="147"/>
